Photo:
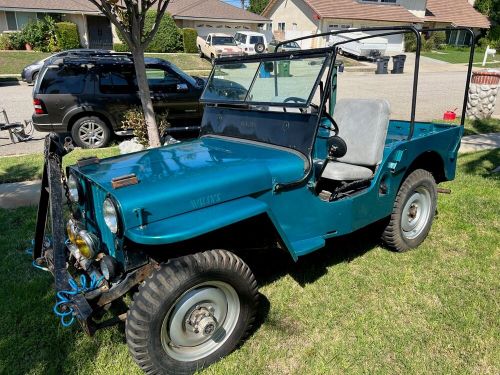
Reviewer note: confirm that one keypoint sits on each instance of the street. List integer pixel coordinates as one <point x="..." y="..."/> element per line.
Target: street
<point x="437" y="92"/>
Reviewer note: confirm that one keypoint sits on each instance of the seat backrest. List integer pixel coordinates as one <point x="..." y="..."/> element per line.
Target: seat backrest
<point x="363" y="126"/>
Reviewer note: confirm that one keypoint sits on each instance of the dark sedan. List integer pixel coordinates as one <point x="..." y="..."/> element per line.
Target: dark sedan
<point x="31" y="71"/>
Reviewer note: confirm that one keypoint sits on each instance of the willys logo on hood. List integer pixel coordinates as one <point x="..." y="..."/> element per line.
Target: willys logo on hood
<point x="207" y="200"/>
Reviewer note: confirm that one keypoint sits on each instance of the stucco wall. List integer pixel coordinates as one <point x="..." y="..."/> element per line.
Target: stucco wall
<point x="3" y="21"/>
<point x="417" y="7"/>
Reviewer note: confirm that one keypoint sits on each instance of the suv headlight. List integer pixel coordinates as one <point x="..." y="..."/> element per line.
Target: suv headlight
<point x="110" y="214"/>
<point x="74" y="188"/>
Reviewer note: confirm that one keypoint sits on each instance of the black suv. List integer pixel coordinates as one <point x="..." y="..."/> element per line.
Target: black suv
<point x="88" y="96"/>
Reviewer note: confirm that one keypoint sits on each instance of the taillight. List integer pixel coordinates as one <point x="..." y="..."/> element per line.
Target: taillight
<point x="39" y="107"/>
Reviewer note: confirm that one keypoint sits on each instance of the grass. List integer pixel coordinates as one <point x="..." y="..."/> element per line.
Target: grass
<point x="460" y="56"/>
<point x="474" y="127"/>
<point x="351" y="308"/>
<point x="29" y="167"/>
<point x="13" y="62"/>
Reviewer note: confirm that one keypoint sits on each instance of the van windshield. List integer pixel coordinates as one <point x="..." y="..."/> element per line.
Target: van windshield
<point x="284" y="81"/>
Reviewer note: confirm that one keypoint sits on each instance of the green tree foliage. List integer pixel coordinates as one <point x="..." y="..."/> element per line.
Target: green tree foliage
<point x="67" y="35"/>
<point x="41" y="34"/>
<point x="490" y="8"/>
<point x="189" y="39"/>
<point x="257" y="6"/>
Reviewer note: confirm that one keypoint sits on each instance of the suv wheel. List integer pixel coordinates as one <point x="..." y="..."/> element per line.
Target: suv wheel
<point x="413" y="212"/>
<point x="191" y="312"/>
<point x="260" y="47"/>
<point x="90" y="132"/>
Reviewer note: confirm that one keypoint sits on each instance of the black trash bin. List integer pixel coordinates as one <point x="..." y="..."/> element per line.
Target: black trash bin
<point x="382" y="65"/>
<point x="398" y="64"/>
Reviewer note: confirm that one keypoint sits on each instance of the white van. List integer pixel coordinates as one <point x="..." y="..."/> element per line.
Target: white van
<point x="251" y="42"/>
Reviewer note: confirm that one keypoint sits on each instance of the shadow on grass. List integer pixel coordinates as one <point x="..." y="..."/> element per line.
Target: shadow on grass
<point x="482" y="126"/>
<point x="19" y="172"/>
<point x="483" y="165"/>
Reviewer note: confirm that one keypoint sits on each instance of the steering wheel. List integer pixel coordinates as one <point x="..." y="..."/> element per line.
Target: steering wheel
<point x="294" y="99"/>
<point x="334" y="127"/>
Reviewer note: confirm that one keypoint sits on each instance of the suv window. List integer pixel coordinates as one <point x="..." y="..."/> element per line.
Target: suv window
<point x="117" y="82"/>
<point x="63" y="80"/>
<point x="161" y="80"/>
<point x="254" y="39"/>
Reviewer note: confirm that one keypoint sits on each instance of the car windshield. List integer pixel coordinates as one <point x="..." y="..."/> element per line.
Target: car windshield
<point x="283" y="81"/>
<point x="223" y="41"/>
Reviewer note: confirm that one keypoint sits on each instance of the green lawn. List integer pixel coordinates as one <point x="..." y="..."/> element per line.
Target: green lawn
<point x="458" y="56"/>
<point x="473" y="127"/>
<point x="13" y="62"/>
<point x="351" y="308"/>
<point x="29" y="167"/>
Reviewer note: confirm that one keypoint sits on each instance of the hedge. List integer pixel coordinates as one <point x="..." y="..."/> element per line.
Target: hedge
<point x="120" y="47"/>
<point x="189" y="40"/>
<point x="167" y="39"/>
<point x="67" y="35"/>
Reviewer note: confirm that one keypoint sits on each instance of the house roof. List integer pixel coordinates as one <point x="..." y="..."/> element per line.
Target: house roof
<point x="211" y="9"/>
<point x="353" y="9"/>
<point x="457" y="12"/>
<point x="80" y="6"/>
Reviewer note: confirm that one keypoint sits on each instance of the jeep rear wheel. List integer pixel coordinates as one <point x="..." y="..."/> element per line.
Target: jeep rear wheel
<point x="90" y="132"/>
<point x="413" y="212"/>
<point x="191" y="312"/>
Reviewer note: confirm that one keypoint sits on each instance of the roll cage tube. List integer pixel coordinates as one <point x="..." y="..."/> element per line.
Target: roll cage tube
<point x="392" y="31"/>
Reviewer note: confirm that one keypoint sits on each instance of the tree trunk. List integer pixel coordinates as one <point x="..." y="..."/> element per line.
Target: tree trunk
<point x="145" y="95"/>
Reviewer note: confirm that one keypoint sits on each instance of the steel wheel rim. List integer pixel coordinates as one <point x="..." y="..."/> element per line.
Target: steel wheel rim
<point x="416" y="213"/>
<point x="178" y="336"/>
<point x="91" y="133"/>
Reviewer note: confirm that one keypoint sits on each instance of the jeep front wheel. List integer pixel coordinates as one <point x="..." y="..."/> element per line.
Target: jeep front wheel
<point x="413" y="212"/>
<point x="90" y="132"/>
<point x="191" y="312"/>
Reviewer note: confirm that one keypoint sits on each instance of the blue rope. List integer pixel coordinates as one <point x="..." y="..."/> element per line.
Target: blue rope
<point x="67" y="315"/>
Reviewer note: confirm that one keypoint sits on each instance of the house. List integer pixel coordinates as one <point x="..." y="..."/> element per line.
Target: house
<point x="96" y="31"/>
<point x="296" y="18"/>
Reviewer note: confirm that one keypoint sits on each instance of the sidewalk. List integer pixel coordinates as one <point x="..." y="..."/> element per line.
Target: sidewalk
<point x="20" y="194"/>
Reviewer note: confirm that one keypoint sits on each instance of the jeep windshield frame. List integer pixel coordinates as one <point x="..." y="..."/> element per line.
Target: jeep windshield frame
<point x="325" y="90"/>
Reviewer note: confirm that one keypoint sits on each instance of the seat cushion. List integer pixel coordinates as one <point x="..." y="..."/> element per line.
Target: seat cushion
<point x="338" y="171"/>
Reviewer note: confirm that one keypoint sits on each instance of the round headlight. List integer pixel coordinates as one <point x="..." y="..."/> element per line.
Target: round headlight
<point x="86" y="243"/>
<point x="73" y="187"/>
<point x="110" y="214"/>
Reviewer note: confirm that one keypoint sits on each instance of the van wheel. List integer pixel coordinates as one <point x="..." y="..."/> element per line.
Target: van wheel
<point x="201" y="53"/>
<point x="90" y="132"/>
<point x="191" y="312"/>
<point x="413" y="212"/>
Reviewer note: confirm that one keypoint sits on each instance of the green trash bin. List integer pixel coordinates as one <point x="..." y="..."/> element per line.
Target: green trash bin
<point x="284" y="69"/>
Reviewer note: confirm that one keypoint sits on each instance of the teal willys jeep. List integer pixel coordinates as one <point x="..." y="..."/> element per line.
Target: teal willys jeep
<point x="277" y="151"/>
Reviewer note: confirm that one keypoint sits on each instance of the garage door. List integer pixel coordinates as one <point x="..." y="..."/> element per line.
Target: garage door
<point x="205" y="28"/>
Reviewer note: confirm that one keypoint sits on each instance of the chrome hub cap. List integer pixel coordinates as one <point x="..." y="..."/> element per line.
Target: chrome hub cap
<point x="91" y="133"/>
<point x="416" y="213"/>
<point x="200" y="321"/>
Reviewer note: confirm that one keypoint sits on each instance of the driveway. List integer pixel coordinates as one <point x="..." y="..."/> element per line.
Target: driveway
<point x="438" y="92"/>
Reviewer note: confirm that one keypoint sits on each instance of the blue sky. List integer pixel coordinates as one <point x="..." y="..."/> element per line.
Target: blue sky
<point x="236" y="2"/>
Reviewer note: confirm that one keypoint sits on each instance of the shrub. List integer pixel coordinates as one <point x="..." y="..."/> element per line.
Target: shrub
<point x="134" y="119"/>
<point x="5" y="42"/>
<point x="41" y="34"/>
<point x="16" y="40"/>
<point x="189" y="40"/>
<point x="67" y="35"/>
<point x="167" y="39"/>
<point x="120" y="47"/>
<point x="410" y="42"/>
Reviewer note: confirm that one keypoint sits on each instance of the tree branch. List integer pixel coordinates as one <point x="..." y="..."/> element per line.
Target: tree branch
<point x="162" y="8"/>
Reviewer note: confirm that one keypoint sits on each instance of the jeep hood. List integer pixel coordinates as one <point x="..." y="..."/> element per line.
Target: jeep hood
<point x="193" y="175"/>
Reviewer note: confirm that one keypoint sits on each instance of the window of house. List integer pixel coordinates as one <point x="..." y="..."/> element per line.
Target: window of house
<point x="23" y="18"/>
<point x="281" y="26"/>
<point x="11" y="21"/>
<point x="294" y="26"/>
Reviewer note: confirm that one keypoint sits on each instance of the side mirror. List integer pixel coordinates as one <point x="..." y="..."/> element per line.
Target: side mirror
<point x="269" y="67"/>
<point x="336" y="147"/>
<point x="183" y="87"/>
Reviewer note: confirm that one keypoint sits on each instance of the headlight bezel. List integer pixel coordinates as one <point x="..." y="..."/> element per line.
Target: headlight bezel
<point x="73" y="179"/>
<point x="117" y="213"/>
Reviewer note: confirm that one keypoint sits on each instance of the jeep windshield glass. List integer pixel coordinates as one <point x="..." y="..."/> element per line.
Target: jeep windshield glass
<point x="282" y="81"/>
<point x="223" y="41"/>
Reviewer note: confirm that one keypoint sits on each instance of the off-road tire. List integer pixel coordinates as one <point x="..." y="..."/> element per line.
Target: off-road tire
<point x="103" y="131"/>
<point x="394" y="235"/>
<point x="259" y="47"/>
<point x="164" y="288"/>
